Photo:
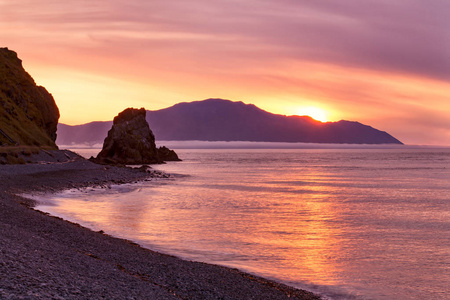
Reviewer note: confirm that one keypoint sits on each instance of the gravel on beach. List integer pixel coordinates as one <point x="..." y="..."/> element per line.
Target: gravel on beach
<point x="45" y="257"/>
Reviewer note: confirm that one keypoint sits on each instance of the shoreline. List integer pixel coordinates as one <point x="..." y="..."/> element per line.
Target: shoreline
<point x="45" y="257"/>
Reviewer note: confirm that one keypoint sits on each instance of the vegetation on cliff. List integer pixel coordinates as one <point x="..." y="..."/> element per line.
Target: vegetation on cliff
<point x="28" y="113"/>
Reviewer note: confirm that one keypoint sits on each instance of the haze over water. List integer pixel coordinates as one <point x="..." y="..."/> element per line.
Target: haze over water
<point x="362" y="223"/>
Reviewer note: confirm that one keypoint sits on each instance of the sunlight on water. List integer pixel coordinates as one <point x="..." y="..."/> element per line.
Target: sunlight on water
<point x="369" y="224"/>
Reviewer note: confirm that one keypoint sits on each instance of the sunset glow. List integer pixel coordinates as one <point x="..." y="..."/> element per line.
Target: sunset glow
<point x="382" y="64"/>
<point x="313" y="112"/>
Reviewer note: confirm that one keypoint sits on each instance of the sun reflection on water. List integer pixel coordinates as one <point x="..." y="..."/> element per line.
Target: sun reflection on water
<point x="306" y="222"/>
<point x="227" y="226"/>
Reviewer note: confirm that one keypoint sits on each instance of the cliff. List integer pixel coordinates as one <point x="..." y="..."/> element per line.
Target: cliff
<point x="28" y="113"/>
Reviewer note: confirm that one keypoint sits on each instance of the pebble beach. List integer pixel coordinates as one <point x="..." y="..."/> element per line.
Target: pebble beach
<point x="45" y="257"/>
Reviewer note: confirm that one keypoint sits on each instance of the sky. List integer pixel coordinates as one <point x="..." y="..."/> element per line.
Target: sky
<point x="383" y="63"/>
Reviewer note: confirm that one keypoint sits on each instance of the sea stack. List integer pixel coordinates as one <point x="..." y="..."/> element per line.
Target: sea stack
<point x="130" y="141"/>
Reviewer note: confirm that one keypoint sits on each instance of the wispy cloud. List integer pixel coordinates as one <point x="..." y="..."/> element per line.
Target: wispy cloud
<point x="406" y="36"/>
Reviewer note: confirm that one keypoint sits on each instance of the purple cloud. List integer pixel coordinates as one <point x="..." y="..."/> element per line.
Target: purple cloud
<point x="410" y="37"/>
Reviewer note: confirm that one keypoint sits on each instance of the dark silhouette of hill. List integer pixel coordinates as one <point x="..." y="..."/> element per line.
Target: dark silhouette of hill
<point x="224" y="120"/>
<point x="28" y="113"/>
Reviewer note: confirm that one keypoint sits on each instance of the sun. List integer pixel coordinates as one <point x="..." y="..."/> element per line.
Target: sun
<point x="314" y="112"/>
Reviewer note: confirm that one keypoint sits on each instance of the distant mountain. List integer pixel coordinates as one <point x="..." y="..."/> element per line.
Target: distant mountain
<point x="224" y="120"/>
<point x="89" y="133"/>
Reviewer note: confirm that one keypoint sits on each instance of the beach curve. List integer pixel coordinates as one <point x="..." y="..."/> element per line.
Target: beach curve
<point x="46" y="257"/>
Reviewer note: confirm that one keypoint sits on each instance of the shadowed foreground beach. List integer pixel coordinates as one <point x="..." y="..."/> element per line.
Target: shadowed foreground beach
<point x="44" y="257"/>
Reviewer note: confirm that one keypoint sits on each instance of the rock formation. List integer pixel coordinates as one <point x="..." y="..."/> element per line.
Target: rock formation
<point x="28" y="113"/>
<point x="130" y="141"/>
<point x="166" y="154"/>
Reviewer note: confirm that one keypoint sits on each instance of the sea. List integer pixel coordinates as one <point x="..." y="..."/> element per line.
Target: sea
<point x="346" y="223"/>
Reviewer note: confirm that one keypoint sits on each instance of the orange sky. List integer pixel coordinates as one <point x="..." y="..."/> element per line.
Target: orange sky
<point x="383" y="64"/>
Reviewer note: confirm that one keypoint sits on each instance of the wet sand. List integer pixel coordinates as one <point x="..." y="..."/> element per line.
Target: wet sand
<point x="44" y="257"/>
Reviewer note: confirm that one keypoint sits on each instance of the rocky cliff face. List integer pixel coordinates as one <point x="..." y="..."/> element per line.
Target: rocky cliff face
<point x="130" y="141"/>
<point x="28" y="113"/>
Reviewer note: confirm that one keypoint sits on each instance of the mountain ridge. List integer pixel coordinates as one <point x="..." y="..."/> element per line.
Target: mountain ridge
<point x="224" y="120"/>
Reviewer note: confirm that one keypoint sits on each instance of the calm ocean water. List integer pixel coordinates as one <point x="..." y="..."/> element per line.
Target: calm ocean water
<point x="346" y="223"/>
